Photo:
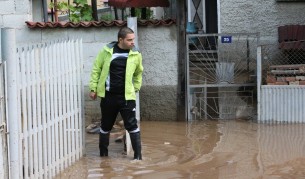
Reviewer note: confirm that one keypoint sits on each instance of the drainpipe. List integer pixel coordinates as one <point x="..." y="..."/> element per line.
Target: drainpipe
<point x="9" y="55"/>
<point x="45" y="10"/>
<point x="94" y="10"/>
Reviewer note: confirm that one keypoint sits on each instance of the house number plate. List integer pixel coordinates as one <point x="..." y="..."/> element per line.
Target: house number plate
<point x="226" y="39"/>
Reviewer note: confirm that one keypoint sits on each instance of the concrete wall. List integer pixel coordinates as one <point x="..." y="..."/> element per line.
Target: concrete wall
<point x="13" y="13"/>
<point x="259" y="16"/>
<point x="159" y="92"/>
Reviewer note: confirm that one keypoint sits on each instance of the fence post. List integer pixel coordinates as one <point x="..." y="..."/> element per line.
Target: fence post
<point x="9" y="55"/>
<point x="259" y="81"/>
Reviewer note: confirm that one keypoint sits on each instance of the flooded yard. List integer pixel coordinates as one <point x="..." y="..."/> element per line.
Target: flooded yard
<point x="201" y="149"/>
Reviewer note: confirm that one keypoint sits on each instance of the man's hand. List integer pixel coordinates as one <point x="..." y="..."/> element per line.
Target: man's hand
<point x="92" y="95"/>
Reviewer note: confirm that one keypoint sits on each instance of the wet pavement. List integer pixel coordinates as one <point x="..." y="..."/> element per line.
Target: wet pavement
<point x="202" y="149"/>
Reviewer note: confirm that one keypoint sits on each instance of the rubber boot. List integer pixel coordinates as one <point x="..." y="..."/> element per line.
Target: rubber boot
<point x="136" y="145"/>
<point x="103" y="144"/>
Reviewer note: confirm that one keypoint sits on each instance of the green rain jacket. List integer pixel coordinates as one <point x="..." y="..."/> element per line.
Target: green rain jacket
<point x="100" y="71"/>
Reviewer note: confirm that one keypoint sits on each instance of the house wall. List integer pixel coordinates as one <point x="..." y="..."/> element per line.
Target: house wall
<point x="259" y="16"/>
<point x="158" y="96"/>
<point x="13" y="13"/>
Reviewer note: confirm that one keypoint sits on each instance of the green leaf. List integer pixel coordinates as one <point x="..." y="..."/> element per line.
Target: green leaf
<point x="74" y="18"/>
<point x="51" y="5"/>
<point x="80" y="2"/>
<point x="72" y="9"/>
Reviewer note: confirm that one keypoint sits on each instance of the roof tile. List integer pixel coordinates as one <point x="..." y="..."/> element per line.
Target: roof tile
<point x="118" y="23"/>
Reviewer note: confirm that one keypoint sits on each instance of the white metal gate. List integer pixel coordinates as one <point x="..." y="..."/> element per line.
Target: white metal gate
<point x="220" y="76"/>
<point x="48" y="108"/>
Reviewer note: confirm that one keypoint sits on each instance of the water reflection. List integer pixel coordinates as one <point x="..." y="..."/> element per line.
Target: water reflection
<point x="203" y="149"/>
<point x="282" y="150"/>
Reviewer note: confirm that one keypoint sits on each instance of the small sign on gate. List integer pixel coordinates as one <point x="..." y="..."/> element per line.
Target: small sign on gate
<point x="226" y="39"/>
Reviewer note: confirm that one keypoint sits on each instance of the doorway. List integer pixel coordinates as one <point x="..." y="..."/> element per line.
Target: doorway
<point x="204" y="14"/>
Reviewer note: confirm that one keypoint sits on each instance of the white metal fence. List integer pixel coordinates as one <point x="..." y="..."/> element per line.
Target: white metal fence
<point x="283" y="104"/>
<point x="281" y="89"/>
<point x="47" y="107"/>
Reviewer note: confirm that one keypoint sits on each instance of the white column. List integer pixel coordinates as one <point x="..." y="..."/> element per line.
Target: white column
<point x="132" y="23"/>
<point x="9" y="55"/>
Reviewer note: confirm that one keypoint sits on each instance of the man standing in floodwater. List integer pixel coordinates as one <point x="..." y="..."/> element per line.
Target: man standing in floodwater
<point x="116" y="77"/>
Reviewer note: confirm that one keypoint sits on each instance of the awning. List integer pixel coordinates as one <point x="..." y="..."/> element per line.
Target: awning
<point x="138" y="3"/>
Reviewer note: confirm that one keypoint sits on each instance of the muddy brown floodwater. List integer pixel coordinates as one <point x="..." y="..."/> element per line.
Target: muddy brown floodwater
<point x="203" y="149"/>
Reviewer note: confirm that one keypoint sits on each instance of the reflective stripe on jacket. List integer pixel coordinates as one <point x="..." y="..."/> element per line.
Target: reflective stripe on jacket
<point x="100" y="71"/>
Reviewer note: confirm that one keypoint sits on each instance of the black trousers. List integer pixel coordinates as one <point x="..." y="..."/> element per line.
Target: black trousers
<point x="111" y="105"/>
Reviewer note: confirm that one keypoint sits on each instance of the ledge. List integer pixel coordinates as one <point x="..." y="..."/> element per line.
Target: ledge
<point x="117" y="23"/>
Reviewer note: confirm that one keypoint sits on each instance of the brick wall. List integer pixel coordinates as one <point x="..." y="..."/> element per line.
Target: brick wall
<point x="286" y="75"/>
